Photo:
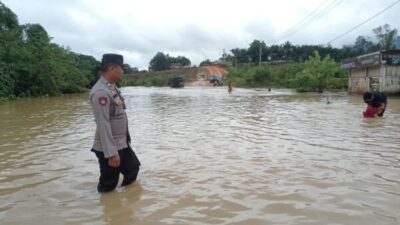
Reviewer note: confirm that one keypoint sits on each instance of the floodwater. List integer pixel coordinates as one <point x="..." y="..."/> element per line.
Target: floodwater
<point x="251" y="157"/>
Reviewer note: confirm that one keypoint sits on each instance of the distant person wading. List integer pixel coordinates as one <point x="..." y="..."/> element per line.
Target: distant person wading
<point x="230" y="87"/>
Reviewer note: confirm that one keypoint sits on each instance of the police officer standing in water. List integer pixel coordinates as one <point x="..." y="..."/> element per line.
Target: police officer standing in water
<point x="112" y="140"/>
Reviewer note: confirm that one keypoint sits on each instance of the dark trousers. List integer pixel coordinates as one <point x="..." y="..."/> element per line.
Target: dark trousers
<point x="109" y="176"/>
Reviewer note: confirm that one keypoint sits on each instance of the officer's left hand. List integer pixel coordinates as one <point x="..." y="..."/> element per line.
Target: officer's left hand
<point x="114" y="161"/>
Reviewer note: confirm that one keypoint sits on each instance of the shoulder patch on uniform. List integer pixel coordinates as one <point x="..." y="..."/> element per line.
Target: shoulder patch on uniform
<point x="103" y="100"/>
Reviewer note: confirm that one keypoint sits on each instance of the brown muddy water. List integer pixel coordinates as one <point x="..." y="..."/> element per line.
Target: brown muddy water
<point x="252" y="157"/>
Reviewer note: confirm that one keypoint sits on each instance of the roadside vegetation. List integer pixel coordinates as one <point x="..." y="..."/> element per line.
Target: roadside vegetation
<point x="153" y="81"/>
<point x="31" y="65"/>
<point x="162" y="79"/>
<point x="316" y="74"/>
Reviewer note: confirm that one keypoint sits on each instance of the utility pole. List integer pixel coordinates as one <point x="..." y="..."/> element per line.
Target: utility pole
<point x="259" y="59"/>
<point x="235" y="61"/>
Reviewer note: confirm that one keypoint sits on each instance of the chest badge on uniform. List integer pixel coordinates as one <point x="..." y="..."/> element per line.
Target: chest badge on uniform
<point x="112" y="93"/>
<point x="103" y="100"/>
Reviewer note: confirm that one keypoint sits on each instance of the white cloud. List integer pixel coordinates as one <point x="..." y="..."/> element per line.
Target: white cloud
<point x="196" y="29"/>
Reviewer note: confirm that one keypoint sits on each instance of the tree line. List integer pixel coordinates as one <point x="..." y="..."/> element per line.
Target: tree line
<point x="314" y="75"/>
<point x="384" y="38"/>
<point x="302" y="67"/>
<point x="162" y="61"/>
<point x="31" y="65"/>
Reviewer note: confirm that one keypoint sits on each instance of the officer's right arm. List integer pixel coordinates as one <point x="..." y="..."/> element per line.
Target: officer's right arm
<point x="101" y="108"/>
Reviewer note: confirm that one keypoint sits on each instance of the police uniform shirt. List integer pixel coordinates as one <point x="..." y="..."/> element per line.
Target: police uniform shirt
<point x="111" y="121"/>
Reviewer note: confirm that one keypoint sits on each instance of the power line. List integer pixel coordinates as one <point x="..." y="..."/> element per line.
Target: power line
<point x="305" y="18"/>
<point x="305" y="22"/>
<point x="365" y="21"/>
<point x="314" y="18"/>
<point x="323" y="13"/>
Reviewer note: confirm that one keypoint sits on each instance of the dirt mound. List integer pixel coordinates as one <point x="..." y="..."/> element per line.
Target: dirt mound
<point x="189" y="74"/>
<point x="213" y="70"/>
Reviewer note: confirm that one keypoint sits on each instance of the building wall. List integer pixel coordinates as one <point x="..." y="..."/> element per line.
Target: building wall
<point x="371" y="74"/>
<point x="375" y="78"/>
<point x="374" y="71"/>
<point x="358" y="82"/>
<point x="392" y="79"/>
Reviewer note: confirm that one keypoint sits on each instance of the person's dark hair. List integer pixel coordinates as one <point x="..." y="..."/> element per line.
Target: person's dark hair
<point x="367" y="96"/>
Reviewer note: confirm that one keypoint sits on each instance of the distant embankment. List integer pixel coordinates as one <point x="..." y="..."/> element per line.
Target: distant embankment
<point x="189" y="73"/>
<point x="161" y="78"/>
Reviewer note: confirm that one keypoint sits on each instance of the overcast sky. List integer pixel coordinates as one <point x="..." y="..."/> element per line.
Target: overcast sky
<point x="196" y="29"/>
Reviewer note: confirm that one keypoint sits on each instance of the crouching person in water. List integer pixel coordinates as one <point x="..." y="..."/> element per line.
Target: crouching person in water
<point x="112" y="140"/>
<point x="377" y="102"/>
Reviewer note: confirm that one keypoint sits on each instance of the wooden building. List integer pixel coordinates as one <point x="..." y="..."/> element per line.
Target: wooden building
<point x="376" y="71"/>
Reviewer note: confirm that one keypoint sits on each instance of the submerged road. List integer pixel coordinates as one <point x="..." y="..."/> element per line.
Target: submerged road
<point x="208" y="157"/>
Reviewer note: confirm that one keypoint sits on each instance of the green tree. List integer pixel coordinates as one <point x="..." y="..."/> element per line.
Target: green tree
<point x="288" y="50"/>
<point x="89" y="66"/>
<point x="36" y="74"/>
<point x="30" y="65"/>
<point x="159" y="62"/>
<point x="386" y="37"/>
<point x="7" y="82"/>
<point x="240" y="55"/>
<point x="317" y="73"/>
<point x="10" y="35"/>
<point x="254" y="50"/>
<point x="262" y="76"/>
<point x="206" y="62"/>
<point x="363" y="46"/>
<point x="128" y="69"/>
<point x="70" y="70"/>
<point x="179" y="59"/>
